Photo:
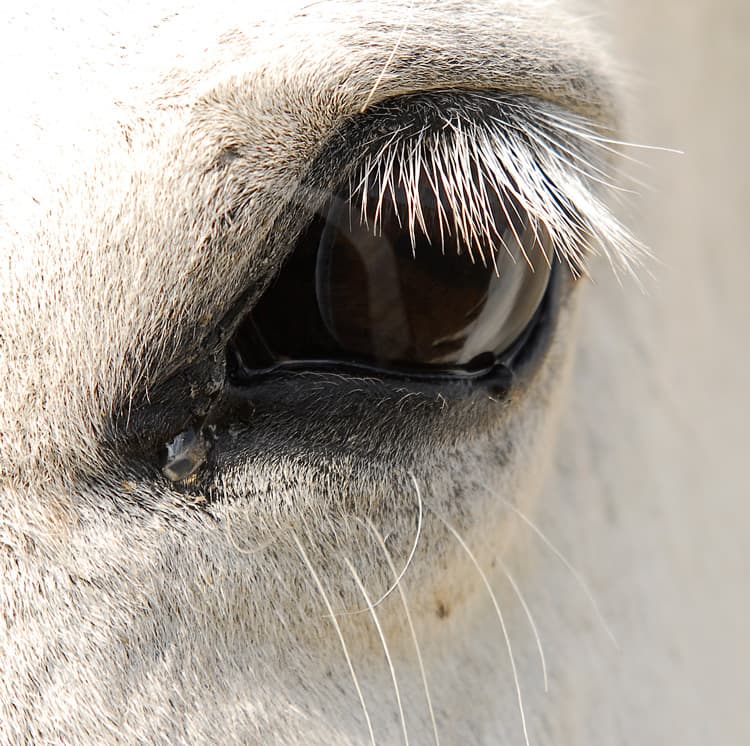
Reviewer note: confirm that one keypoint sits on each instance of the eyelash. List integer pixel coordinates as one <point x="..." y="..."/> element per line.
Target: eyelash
<point x="478" y="150"/>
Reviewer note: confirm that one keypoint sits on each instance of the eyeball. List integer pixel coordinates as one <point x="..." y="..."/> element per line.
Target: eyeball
<point x="385" y="297"/>
<point x="399" y="294"/>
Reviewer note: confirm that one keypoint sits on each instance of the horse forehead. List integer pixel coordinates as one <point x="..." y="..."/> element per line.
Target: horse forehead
<point x="81" y="75"/>
<point x="69" y="67"/>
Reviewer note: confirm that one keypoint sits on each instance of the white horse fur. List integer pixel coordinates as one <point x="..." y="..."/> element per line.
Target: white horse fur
<point x="159" y="161"/>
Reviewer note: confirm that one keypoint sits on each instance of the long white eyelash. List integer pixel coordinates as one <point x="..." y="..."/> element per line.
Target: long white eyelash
<point x="552" y="164"/>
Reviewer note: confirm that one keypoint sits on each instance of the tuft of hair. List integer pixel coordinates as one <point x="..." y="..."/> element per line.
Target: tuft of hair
<point x="507" y="151"/>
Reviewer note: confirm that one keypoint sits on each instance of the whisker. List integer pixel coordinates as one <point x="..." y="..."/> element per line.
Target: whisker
<point x="390" y="58"/>
<point x="578" y="577"/>
<point x="409" y="560"/>
<point x="530" y="617"/>
<point x="381" y="541"/>
<point x="340" y="634"/>
<point x="384" y="643"/>
<point x="500" y="617"/>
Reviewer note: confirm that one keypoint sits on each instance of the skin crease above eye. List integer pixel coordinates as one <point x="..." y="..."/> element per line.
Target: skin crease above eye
<point x="359" y="560"/>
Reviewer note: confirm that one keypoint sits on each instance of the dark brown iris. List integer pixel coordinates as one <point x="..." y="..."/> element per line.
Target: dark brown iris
<point x="374" y="292"/>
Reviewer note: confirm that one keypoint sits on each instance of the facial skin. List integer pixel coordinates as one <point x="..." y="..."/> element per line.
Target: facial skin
<point x="161" y="166"/>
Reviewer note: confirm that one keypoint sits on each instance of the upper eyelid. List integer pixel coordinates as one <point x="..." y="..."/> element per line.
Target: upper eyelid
<point x="551" y="162"/>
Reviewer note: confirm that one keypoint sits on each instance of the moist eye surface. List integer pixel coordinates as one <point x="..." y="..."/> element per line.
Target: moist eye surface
<point x="369" y="290"/>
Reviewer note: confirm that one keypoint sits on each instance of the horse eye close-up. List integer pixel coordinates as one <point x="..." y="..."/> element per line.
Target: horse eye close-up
<point x="358" y="373"/>
<point x="364" y="291"/>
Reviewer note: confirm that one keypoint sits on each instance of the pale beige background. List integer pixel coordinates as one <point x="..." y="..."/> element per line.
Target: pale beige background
<point x="691" y="90"/>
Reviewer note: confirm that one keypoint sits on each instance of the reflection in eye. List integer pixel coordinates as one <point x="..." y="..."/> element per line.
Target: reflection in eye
<point x="381" y="295"/>
<point x="432" y="303"/>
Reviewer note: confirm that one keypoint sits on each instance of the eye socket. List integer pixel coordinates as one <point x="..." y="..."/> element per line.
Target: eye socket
<point x="400" y="292"/>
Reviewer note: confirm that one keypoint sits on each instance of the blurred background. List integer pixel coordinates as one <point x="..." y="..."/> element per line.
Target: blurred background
<point x="689" y="63"/>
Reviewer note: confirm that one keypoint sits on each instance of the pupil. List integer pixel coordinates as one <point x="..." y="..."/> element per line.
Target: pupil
<point x="373" y="292"/>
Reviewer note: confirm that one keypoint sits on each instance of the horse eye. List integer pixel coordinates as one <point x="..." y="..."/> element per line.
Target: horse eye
<point x="399" y="291"/>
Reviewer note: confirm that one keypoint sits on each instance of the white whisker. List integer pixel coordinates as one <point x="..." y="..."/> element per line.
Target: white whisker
<point x="500" y="617"/>
<point x="390" y="58"/>
<point x="381" y="542"/>
<point x="384" y="643"/>
<point x="530" y="617"/>
<point x="580" y="580"/>
<point x="340" y="634"/>
<point x="409" y="560"/>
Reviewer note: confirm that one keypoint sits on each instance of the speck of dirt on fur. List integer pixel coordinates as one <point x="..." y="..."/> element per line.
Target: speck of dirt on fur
<point x="442" y="611"/>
